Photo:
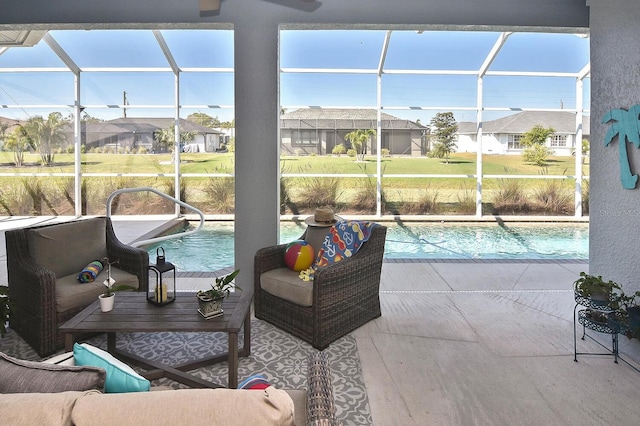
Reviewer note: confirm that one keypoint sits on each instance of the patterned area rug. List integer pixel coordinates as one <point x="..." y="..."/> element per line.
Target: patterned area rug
<point x="274" y="353"/>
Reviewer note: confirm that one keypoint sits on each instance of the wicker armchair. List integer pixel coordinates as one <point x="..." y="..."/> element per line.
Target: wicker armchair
<point x="38" y="307"/>
<point x="345" y="294"/>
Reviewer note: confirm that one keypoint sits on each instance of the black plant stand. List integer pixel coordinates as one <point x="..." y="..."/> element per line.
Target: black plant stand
<point x="608" y="323"/>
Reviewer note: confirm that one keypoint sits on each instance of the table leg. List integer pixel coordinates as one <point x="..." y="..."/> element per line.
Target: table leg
<point x="68" y="342"/>
<point x="233" y="360"/>
<point x="111" y="342"/>
<point x="246" y="334"/>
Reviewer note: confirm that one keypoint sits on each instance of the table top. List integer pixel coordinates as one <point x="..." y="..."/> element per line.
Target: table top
<point x="132" y="313"/>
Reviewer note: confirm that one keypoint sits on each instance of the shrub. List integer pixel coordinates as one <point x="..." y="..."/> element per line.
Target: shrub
<point x="352" y="152"/>
<point x="427" y="202"/>
<point x="466" y="201"/>
<point x="320" y="190"/>
<point x="221" y="191"/>
<point x="510" y="197"/>
<point x="554" y="197"/>
<point x="365" y="198"/>
<point x="339" y="149"/>
<point x="385" y="152"/>
<point x="536" y="154"/>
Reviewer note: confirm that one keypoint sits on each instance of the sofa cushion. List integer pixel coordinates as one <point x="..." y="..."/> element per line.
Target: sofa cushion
<point x="82" y="240"/>
<point x="29" y="376"/>
<point x="120" y="377"/>
<point x="286" y="284"/>
<point x="51" y="409"/>
<point x="70" y="294"/>
<point x="193" y="407"/>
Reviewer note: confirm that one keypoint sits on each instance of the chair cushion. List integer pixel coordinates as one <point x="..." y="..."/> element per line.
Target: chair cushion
<point x="286" y="284"/>
<point x="120" y="377"/>
<point x="19" y="376"/>
<point x="71" y="294"/>
<point x="66" y="248"/>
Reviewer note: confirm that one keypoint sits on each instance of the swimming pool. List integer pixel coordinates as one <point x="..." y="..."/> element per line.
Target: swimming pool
<point x="212" y="248"/>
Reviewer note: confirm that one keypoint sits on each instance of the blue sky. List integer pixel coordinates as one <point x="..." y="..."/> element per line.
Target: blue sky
<point x="408" y="50"/>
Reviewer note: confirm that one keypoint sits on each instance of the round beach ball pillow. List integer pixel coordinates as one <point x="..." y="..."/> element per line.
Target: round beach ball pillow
<point x="299" y="255"/>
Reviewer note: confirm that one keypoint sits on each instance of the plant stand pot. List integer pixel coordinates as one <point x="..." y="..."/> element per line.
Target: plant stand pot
<point x="106" y="302"/>
<point x="210" y="308"/>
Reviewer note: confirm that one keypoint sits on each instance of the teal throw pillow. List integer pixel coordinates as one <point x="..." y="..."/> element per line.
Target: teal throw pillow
<point x="120" y="377"/>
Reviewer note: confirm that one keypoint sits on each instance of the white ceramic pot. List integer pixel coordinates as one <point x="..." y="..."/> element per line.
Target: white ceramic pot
<point x="106" y="303"/>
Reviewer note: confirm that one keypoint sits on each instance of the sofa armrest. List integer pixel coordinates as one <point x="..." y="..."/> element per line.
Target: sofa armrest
<point x="321" y="410"/>
<point x="130" y="259"/>
<point x="32" y="289"/>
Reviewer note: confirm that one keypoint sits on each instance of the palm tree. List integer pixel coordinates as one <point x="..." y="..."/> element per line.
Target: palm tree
<point x="46" y="135"/>
<point x="18" y="141"/>
<point x="625" y="126"/>
<point x="359" y="139"/>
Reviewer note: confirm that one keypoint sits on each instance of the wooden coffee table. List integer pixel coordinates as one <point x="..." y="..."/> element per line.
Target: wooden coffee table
<point x="132" y="313"/>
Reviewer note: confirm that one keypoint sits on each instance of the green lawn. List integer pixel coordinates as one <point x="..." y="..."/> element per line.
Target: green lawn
<point x="18" y="191"/>
<point x="462" y="163"/>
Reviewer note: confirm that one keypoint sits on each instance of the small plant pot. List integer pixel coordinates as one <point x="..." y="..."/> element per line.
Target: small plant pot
<point x="106" y="302"/>
<point x="209" y="307"/>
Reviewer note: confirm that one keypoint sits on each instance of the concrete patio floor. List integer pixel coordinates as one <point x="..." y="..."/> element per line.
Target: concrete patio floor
<point x="477" y="343"/>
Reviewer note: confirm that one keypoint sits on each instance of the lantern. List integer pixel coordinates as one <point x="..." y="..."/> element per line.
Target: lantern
<point x="162" y="281"/>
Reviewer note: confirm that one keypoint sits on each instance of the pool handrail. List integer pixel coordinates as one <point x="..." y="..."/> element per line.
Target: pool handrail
<point x="165" y="196"/>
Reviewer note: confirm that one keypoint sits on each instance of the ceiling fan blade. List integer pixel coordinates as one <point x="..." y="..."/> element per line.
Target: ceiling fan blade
<point x="304" y="5"/>
<point x="209" y="7"/>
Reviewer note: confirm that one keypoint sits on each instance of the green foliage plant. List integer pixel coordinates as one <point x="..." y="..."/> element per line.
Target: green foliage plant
<point x="359" y="139"/>
<point x="339" y="149"/>
<point x="220" y="288"/>
<point x="595" y="287"/>
<point x="352" y="152"/>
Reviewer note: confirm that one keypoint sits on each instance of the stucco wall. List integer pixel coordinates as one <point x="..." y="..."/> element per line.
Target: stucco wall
<point x="615" y="83"/>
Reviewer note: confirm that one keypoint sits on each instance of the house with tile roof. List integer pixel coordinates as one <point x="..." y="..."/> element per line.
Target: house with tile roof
<point x="319" y="130"/>
<point x="133" y="133"/>
<point x="502" y="136"/>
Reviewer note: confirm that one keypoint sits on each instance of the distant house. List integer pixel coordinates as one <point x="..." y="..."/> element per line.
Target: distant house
<point x="502" y="136"/>
<point x="318" y="131"/>
<point x="130" y="134"/>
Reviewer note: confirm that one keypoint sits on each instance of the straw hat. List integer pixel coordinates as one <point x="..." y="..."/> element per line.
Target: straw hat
<point x="321" y="217"/>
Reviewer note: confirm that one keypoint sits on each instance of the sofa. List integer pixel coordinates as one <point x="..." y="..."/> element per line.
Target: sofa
<point x="42" y="393"/>
<point x="43" y="264"/>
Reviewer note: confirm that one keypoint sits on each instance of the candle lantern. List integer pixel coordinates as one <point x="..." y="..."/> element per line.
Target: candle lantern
<point x="162" y="281"/>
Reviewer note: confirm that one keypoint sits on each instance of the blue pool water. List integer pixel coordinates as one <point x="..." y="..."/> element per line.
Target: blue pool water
<point x="212" y="248"/>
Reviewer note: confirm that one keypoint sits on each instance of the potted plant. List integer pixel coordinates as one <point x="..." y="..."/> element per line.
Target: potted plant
<point x="595" y="288"/>
<point x="210" y="301"/>
<point x="5" y="309"/>
<point x="108" y="297"/>
<point x="629" y="311"/>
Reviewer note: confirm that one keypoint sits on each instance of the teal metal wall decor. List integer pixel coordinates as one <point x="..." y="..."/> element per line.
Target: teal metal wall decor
<point x="627" y="127"/>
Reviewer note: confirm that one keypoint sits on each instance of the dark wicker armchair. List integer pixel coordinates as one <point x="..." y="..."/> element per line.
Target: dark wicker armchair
<point x="40" y="305"/>
<point x="345" y="294"/>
